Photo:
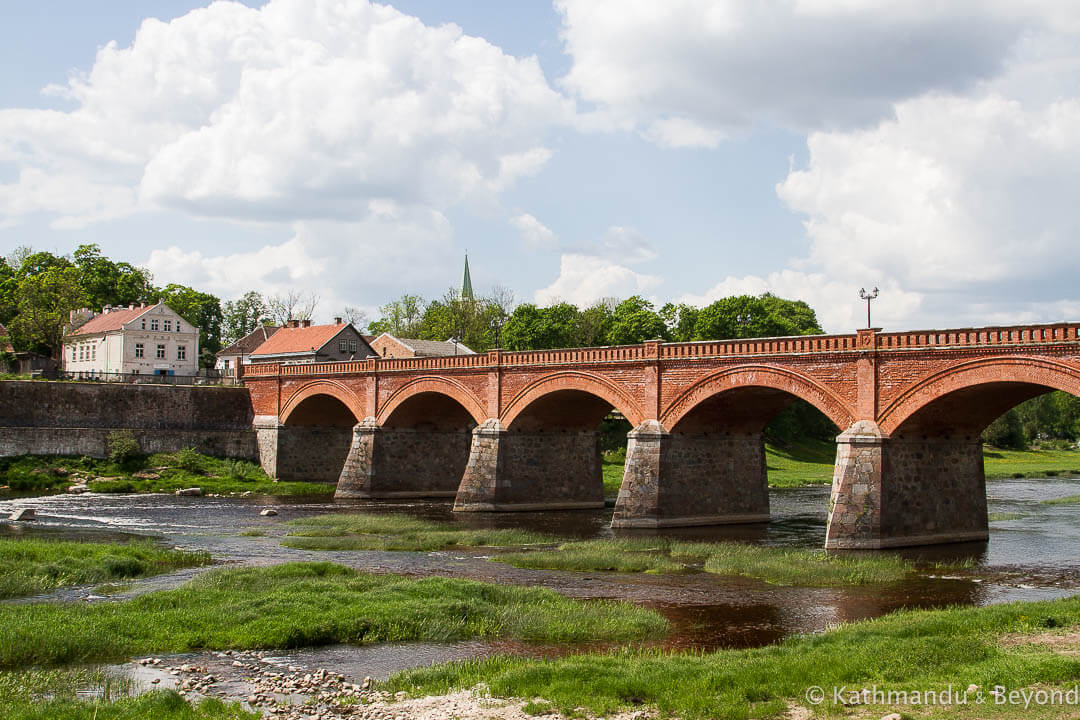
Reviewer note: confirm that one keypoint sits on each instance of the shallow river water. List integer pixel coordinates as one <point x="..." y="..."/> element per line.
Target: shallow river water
<point x="1036" y="556"/>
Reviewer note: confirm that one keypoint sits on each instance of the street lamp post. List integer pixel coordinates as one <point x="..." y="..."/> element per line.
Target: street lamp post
<point x="455" y="340"/>
<point x="868" y="296"/>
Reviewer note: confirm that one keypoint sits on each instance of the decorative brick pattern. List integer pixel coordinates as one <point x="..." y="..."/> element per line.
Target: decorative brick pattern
<point x="888" y="392"/>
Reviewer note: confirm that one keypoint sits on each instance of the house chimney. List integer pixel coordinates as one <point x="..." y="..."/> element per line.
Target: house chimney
<point x="294" y="323"/>
<point x="306" y="323"/>
<point x="106" y="310"/>
<point x="337" y="321"/>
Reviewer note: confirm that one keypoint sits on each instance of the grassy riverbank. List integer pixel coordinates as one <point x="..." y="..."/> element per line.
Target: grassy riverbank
<point x="779" y="566"/>
<point x="161" y="472"/>
<point x="1020" y="645"/>
<point x="52" y="695"/>
<point x="305" y="605"/>
<point x="1030" y="463"/>
<point x="396" y="532"/>
<point x="29" y="567"/>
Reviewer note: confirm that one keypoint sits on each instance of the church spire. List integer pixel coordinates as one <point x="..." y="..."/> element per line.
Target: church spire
<point x="466" y="281"/>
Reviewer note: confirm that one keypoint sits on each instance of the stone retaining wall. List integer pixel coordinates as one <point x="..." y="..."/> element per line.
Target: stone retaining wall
<point x="68" y="418"/>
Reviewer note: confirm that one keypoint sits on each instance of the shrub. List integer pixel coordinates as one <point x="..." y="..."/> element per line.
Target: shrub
<point x="238" y="469"/>
<point x="122" y="446"/>
<point x="190" y="460"/>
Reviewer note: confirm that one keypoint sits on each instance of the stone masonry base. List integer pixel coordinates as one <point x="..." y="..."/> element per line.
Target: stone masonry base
<point x="401" y="463"/>
<point x="519" y="471"/>
<point x="681" y="479"/>
<point x="897" y="492"/>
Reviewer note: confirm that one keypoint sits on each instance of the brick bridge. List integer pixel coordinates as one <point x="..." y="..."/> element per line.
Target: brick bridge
<point x="518" y="430"/>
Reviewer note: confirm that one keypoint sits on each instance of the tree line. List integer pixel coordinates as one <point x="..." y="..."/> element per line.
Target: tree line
<point x="495" y="321"/>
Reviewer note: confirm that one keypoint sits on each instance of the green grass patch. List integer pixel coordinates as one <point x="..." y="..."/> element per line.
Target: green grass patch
<point x="804" y="462"/>
<point x="1067" y="500"/>
<point x="1003" y="516"/>
<point x="778" y="566"/>
<point x="303" y="605"/>
<point x="30" y="566"/>
<point x="368" y="531"/>
<point x="161" y="472"/>
<point x="912" y="650"/>
<point x="613" y="475"/>
<point x="1030" y="463"/>
<point x="54" y="695"/>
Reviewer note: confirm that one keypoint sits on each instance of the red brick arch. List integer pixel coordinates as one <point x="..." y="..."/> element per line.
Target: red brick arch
<point x="439" y="385"/>
<point x="596" y="385"/>
<point x="336" y="390"/>
<point x="1051" y="374"/>
<point x="764" y="376"/>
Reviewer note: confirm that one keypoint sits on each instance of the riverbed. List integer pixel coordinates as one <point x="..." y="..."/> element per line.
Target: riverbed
<point x="1035" y="555"/>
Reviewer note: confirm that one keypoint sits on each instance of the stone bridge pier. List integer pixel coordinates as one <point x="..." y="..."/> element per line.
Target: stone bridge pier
<point x="546" y="457"/>
<point x="419" y="450"/>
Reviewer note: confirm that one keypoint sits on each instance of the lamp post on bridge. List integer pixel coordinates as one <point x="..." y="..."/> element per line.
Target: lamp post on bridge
<point x="868" y="296"/>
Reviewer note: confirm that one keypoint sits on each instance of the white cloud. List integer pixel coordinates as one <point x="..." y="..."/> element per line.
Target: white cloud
<point x="689" y="72"/>
<point x="534" y="233"/>
<point x="584" y="279"/>
<point x="625" y="244"/>
<point x="302" y="109"/>
<point x="343" y="261"/>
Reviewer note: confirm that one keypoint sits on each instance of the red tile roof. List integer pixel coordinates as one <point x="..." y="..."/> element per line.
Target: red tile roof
<point x="298" y="340"/>
<point x="112" y="320"/>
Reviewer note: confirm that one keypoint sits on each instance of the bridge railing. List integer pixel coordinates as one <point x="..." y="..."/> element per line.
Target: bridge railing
<point x="613" y="353"/>
<point x="759" y="346"/>
<point x="965" y="337"/>
<point x="988" y="336"/>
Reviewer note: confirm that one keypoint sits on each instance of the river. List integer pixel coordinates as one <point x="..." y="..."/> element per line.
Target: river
<point x="1034" y="556"/>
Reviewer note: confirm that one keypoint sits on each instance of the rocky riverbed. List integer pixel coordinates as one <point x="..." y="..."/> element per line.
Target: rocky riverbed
<point x="263" y="682"/>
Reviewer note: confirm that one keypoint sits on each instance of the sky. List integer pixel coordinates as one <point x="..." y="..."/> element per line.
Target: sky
<point x="682" y="150"/>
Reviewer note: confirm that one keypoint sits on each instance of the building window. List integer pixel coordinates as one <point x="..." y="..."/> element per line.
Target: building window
<point x="160" y="352"/>
<point x="178" y="326"/>
<point x="181" y="352"/>
<point x="384" y="351"/>
<point x="341" y="346"/>
<point x="74" y="353"/>
<point x="153" y="324"/>
<point x="352" y="346"/>
<point x="144" y="324"/>
<point x="226" y="366"/>
<point x="82" y="350"/>
<point x="93" y="352"/>
<point x="168" y="326"/>
<point x="139" y="350"/>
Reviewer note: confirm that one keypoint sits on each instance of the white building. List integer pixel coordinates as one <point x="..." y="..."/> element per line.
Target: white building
<point x="143" y="340"/>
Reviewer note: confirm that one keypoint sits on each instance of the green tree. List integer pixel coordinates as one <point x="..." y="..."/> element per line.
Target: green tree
<point x="44" y="304"/>
<point x="596" y="322"/>
<point x="680" y="321"/>
<point x="401" y="317"/>
<point x="240" y="317"/>
<point x="534" y="328"/>
<point x="201" y="310"/>
<point x="9" y="286"/>
<point x="109" y="283"/>
<point x="633" y="321"/>
<point x="745" y="316"/>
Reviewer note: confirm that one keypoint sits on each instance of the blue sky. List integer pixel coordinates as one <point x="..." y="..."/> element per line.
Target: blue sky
<point x="682" y="150"/>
